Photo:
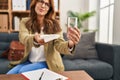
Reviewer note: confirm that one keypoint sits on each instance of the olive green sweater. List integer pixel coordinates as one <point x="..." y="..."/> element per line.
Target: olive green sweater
<point x="52" y="49"/>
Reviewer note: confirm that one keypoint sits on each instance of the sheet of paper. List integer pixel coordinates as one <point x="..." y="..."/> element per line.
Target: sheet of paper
<point x="48" y="75"/>
<point x="49" y="37"/>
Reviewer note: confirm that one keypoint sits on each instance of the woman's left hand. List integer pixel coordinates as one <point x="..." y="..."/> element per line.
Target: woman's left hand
<point x="73" y="36"/>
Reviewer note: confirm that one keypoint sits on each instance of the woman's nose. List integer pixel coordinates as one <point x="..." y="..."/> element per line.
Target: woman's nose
<point x="43" y="5"/>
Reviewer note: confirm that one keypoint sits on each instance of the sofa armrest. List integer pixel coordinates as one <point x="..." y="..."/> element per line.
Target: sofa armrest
<point x="110" y="53"/>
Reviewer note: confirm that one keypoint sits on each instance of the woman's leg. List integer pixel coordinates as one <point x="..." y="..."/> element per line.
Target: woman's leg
<point x="16" y="69"/>
<point x="33" y="66"/>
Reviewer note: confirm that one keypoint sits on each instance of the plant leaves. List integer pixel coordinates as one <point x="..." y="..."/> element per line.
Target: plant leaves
<point x="81" y="17"/>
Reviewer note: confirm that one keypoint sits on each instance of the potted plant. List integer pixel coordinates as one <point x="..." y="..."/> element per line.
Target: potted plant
<point x="81" y="17"/>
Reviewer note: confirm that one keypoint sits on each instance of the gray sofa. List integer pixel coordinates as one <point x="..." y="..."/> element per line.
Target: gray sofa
<point x="105" y="67"/>
<point x="5" y="39"/>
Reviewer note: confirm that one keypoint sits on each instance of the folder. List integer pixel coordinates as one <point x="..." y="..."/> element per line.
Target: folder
<point x="16" y="22"/>
<point x="28" y="4"/>
<point x="19" y="5"/>
<point x="3" y="22"/>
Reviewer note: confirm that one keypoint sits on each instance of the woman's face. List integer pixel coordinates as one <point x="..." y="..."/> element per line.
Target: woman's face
<point x="42" y="7"/>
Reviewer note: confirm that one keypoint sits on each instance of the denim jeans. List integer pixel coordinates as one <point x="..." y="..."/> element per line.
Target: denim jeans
<point x="27" y="66"/>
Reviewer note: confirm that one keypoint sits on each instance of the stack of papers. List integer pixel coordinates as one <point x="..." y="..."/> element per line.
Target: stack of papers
<point x="49" y="37"/>
<point x="45" y="73"/>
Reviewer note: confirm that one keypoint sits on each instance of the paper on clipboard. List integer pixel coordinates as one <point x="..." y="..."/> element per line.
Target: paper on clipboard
<point x="48" y="75"/>
<point x="49" y="37"/>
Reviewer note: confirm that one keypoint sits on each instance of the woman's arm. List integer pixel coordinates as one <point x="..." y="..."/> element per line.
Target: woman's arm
<point x="25" y="36"/>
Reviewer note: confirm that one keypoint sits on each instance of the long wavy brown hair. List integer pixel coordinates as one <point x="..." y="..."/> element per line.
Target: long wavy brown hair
<point x="51" y="25"/>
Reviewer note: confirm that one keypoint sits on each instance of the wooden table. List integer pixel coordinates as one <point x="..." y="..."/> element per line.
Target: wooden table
<point x="76" y="75"/>
<point x="72" y="75"/>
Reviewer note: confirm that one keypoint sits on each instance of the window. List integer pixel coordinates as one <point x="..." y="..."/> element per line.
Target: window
<point x="106" y="20"/>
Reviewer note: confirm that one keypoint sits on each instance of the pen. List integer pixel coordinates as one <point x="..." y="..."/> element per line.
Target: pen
<point x="59" y="79"/>
<point x="41" y="76"/>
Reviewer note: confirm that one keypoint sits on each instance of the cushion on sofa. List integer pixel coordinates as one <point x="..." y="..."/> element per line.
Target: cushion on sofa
<point x="13" y="36"/>
<point x="5" y="39"/>
<point x="96" y="68"/>
<point x="4" y="46"/>
<point x="85" y="48"/>
<point x="4" y="65"/>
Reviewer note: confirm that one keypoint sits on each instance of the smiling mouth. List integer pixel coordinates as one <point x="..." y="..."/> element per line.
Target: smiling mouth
<point x="41" y="10"/>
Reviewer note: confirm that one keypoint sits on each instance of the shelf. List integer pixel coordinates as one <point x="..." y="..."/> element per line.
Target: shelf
<point x="14" y="31"/>
<point x="3" y="11"/>
<point x="27" y="11"/>
<point x="4" y="31"/>
<point x="15" y="15"/>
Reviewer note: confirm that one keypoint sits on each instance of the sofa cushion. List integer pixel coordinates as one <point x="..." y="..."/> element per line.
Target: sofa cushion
<point x="85" y="48"/>
<point x="95" y="68"/>
<point x="13" y="36"/>
<point x="3" y="46"/>
<point x="8" y="37"/>
<point x="4" y="65"/>
<point x="5" y="39"/>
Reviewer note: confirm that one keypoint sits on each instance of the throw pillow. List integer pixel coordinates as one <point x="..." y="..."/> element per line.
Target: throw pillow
<point x="85" y="48"/>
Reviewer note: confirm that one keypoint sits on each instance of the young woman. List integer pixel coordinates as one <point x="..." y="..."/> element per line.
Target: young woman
<point x="39" y="54"/>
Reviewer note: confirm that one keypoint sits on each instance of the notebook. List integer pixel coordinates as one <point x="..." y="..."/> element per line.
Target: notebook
<point x="44" y="73"/>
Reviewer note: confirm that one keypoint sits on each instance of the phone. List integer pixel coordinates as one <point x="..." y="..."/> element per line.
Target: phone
<point x="72" y="22"/>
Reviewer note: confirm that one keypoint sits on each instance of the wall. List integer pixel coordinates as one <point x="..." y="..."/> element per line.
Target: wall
<point x="74" y="5"/>
<point x="116" y="28"/>
<point x="93" y="22"/>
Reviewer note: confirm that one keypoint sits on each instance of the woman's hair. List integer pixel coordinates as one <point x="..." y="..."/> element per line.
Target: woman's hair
<point x="50" y="24"/>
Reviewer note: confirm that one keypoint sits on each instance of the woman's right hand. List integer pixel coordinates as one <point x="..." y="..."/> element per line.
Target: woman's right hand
<point x="74" y="36"/>
<point x="38" y="39"/>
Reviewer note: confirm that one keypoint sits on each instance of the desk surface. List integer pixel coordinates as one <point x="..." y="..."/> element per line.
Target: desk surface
<point x="72" y="75"/>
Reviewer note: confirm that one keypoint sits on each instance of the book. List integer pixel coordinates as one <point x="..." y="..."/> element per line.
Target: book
<point x="28" y="4"/>
<point x="3" y="4"/>
<point x="43" y="74"/>
<point x="49" y="37"/>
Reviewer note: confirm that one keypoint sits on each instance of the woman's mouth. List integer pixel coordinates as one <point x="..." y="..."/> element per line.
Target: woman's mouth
<point x="41" y="10"/>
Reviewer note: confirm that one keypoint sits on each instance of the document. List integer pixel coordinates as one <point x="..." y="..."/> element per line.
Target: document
<point x="49" y="37"/>
<point x="43" y="74"/>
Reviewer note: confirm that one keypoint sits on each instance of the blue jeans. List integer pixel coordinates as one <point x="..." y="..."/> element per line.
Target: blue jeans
<point x="27" y="66"/>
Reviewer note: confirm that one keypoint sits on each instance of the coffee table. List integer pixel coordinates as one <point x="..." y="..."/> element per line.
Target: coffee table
<point x="72" y="75"/>
<point x="76" y="75"/>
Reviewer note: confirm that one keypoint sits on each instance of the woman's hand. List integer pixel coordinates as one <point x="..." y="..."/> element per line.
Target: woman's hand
<point x="38" y="39"/>
<point x="73" y="36"/>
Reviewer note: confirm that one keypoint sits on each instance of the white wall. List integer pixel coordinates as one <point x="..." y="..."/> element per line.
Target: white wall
<point x="116" y="28"/>
<point x="74" y="5"/>
<point x="93" y="21"/>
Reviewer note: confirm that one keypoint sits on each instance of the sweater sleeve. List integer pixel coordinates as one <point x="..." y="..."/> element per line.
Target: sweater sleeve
<point x="62" y="46"/>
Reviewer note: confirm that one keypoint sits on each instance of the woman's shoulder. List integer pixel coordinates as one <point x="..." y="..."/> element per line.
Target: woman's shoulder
<point x="25" y="19"/>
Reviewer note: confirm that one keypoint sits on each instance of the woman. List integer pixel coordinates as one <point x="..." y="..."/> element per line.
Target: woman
<point x="38" y="53"/>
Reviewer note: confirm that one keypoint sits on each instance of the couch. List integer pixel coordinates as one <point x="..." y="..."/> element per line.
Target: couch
<point x="105" y="67"/>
